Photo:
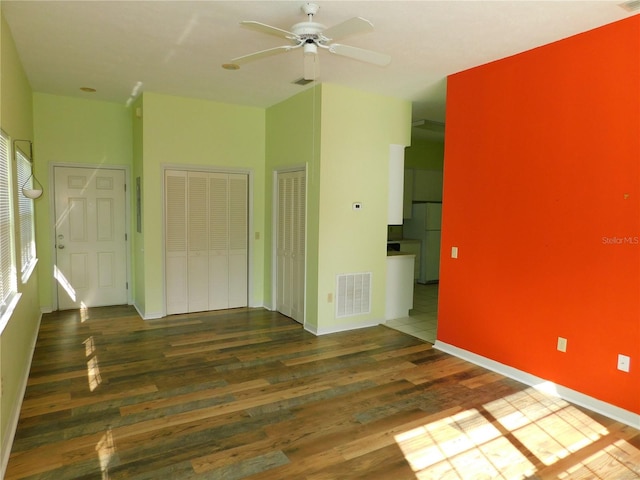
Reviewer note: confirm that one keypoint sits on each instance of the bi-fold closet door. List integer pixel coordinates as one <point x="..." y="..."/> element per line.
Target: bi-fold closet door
<point x="206" y="254"/>
<point x="290" y="244"/>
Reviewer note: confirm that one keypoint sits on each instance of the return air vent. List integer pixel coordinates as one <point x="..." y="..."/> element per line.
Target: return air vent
<point x="302" y="82"/>
<point x="631" y="6"/>
<point x="353" y="294"/>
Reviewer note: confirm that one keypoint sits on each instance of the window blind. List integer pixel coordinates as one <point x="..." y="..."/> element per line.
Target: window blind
<point x="8" y="284"/>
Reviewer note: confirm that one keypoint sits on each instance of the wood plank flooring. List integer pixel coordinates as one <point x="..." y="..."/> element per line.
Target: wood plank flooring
<point x="248" y="394"/>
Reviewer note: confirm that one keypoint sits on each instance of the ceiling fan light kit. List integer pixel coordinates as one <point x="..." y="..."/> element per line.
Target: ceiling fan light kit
<point x="310" y="35"/>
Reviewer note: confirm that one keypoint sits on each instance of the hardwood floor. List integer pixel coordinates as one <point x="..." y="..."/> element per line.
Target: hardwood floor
<point x="248" y="394"/>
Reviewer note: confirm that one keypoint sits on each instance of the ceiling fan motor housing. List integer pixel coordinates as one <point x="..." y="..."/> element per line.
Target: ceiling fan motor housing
<point x="310" y="8"/>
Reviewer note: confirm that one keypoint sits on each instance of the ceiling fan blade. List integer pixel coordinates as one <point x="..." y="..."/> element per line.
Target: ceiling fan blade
<point x="261" y="54"/>
<point x="311" y="67"/>
<point x="369" y="56"/>
<point x="348" y="27"/>
<point x="268" y="29"/>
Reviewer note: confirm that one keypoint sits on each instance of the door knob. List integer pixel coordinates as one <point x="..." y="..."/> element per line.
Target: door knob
<point x="60" y="247"/>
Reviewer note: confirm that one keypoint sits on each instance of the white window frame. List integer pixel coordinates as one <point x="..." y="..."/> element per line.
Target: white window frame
<point x="8" y="277"/>
<point x="28" y="259"/>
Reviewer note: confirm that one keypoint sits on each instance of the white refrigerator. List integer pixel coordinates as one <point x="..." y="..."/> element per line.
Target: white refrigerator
<point x="424" y="225"/>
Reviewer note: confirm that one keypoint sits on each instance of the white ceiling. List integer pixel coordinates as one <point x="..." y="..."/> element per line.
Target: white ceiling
<point x="177" y="47"/>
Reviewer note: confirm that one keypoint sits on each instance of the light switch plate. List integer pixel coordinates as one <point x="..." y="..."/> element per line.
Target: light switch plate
<point x="624" y="363"/>
<point x="454" y="252"/>
<point x="562" y="344"/>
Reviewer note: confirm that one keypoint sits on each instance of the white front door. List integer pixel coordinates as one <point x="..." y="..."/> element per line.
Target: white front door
<point x="90" y="237"/>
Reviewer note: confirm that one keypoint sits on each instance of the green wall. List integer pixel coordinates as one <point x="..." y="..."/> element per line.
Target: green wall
<point x="342" y="136"/>
<point x="191" y="133"/>
<point x="19" y="335"/>
<point x="74" y="131"/>
<point x="293" y="140"/>
<point x="138" y="264"/>
<point x="357" y="129"/>
<point x="157" y="131"/>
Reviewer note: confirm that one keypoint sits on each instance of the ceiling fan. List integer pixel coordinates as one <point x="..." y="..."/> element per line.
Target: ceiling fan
<point x="310" y="36"/>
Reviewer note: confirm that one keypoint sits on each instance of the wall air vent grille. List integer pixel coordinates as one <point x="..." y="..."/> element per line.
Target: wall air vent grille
<point x="302" y="82"/>
<point x="353" y="294"/>
<point x="631" y="6"/>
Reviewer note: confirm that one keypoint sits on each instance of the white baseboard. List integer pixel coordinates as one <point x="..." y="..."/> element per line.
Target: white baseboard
<point x="148" y="316"/>
<point x="572" y="396"/>
<point x="12" y="424"/>
<point x="46" y="309"/>
<point x="343" y="327"/>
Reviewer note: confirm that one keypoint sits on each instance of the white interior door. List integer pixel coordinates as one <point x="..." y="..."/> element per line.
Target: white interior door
<point x="90" y="237"/>
<point x="290" y="244"/>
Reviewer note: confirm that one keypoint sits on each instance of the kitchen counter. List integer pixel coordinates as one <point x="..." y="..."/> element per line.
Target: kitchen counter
<point x="400" y="266"/>
<point x="410" y="246"/>
<point x="397" y="254"/>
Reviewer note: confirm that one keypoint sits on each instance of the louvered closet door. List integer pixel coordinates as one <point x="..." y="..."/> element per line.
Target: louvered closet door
<point x="198" y="241"/>
<point x="290" y="248"/>
<point x="219" y="242"/>
<point x="206" y="245"/>
<point x="238" y="239"/>
<point x="298" y="247"/>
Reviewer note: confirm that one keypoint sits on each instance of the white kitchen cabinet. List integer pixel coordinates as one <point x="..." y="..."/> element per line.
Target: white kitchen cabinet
<point x="396" y="185"/>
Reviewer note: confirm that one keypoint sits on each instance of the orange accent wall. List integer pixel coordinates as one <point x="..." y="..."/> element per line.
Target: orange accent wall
<point x="542" y="198"/>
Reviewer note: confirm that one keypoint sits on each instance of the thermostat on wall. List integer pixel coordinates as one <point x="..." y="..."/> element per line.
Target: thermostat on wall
<point x="357" y="206"/>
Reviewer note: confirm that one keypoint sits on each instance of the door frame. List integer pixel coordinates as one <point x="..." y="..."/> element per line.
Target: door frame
<point x="250" y="236"/>
<point x="52" y="225"/>
<point x="274" y="234"/>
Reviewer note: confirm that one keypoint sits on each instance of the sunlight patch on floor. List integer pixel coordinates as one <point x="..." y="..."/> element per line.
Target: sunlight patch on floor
<point x="106" y="449"/>
<point x="93" y="373"/>
<point x="547" y="426"/>
<point x="462" y="446"/>
<point x="617" y="461"/>
<point x="509" y="438"/>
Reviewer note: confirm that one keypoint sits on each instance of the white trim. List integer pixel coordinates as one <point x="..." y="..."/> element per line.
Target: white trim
<point x="28" y="271"/>
<point x="52" y="226"/>
<point x="251" y="238"/>
<point x="6" y="315"/>
<point x="573" y="396"/>
<point x="12" y="423"/>
<point x="148" y="316"/>
<point x="343" y="327"/>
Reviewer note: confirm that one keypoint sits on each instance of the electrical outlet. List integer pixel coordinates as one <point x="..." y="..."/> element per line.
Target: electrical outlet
<point x="624" y="363"/>
<point x="562" y="344"/>
<point x="454" y="252"/>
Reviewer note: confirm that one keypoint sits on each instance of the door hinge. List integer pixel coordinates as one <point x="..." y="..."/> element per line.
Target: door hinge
<point x="125" y="187"/>
<point x="127" y="285"/>
<point x="125" y="237"/>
